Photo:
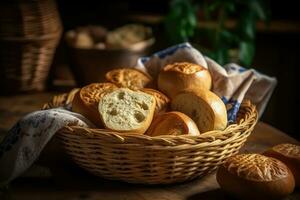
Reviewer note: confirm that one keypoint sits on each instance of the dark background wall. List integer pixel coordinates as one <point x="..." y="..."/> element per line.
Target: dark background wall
<point x="277" y="52"/>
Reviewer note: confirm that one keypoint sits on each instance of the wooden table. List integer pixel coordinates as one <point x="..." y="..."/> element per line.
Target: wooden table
<point x="73" y="183"/>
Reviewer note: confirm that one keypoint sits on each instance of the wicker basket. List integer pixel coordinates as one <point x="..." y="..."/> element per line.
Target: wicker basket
<point x="91" y="65"/>
<point x="153" y="160"/>
<point x="29" y="33"/>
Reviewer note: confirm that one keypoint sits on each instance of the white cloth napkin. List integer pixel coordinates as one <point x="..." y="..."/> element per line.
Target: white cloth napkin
<point x="232" y="83"/>
<point x="27" y="138"/>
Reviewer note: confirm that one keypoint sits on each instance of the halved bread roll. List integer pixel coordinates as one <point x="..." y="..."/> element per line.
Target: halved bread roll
<point x="162" y="101"/>
<point x="176" y="77"/>
<point x="125" y="110"/>
<point x="206" y="109"/>
<point x="128" y="77"/>
<point x="86" y="101"/>
<point x="172" y="123"/>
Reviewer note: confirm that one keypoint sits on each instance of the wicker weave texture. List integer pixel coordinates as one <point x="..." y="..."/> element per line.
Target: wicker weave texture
<point x="153" y="160"/>
<point x="29" y="33"/>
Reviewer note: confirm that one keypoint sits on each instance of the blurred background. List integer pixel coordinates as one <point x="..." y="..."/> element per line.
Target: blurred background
<point x="75" y="42"/>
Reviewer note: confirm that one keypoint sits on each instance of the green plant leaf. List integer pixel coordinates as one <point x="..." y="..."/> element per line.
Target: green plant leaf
<point x="229" y="37"/>
<point x="214" y="5"/>
<point x="246" y="54"/>
<point x="192" y="19"/>
<point x="230" y="6"/>
<point x="181" y="22"/>
<point x="207" y="13"/>
<point x="220" y="55"/>
<point x="259" y="9"/>
<point x="246" y="26"/>
<point x="181" y="25"/>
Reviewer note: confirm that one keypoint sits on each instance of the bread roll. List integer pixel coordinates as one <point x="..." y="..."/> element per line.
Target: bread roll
<point x="162" y="101"/>
<point x="254" y="176"/>
<point x="86" y="101"/>
<point x="84" y="40"/>
<point x="128" y="77"/>
<point x="172" y="123"/>
<point x="125" y="110"/>
<point x="206" y="109"/>
<point x="288" y="154"/>
<point x="176" y="77"/>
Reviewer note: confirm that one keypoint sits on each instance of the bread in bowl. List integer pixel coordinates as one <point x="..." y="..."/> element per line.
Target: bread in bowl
<point x="289" y="154"/>
<point x="87" y="98"/>
<point x="162" y="101"/>
<point x="126" y="110"/>
<point x="128" y="77"/>
<point x="254" y="176"/>
<point x="176" y="77"/>
<point x="206" y="109"/>
<point x="172" y="123"/>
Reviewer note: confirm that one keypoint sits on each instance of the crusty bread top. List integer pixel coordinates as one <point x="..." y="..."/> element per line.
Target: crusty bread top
<point x="128" y="77"/>
<point x="184" y="67"/>
<point x="162" y="101"/>
<point x="256" y="167"/>
<point x="126" y="110"/>
<point x="288" y="150"/>
<point x="92" y="93"/>
<point x="176" y="77"/>
<point x="87" y="98"/>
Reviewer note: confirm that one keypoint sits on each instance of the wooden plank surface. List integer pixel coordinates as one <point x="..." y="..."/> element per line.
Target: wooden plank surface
<point x="70" y="182"/>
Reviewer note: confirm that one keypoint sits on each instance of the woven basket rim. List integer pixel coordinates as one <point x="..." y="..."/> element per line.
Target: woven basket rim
<point x="94" y="131"/>
<point x="232" y="132"/>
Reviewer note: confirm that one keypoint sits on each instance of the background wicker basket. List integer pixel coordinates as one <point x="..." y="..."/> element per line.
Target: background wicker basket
<point x="29" y="33"/>
<point x="153" y="160"/>
<point x="91" y="65"/>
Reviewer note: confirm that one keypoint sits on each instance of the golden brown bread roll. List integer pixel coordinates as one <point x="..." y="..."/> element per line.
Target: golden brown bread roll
<point x="128" y="77"/>
<point x="289" y="154"/>
<point x="172" y="123"/>
<point x="162" y="101"/>
<point x="176" y="77"/>
<point x="87" y="98"/>
<point x="254" y="176"/>
<point x="206" y="109"/>
<point x="126" y="110"/>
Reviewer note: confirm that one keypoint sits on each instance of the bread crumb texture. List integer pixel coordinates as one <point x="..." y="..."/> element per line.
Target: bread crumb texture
<point x="126" y="110"/>
<point x="195" y="108"/>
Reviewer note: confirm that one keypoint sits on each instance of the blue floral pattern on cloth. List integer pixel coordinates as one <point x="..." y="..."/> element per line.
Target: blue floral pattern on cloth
<point x="11" y="138"/>
<point x="27" y="138"/>
<point x="232" y="107"/>
<point x="236" y="68"/>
